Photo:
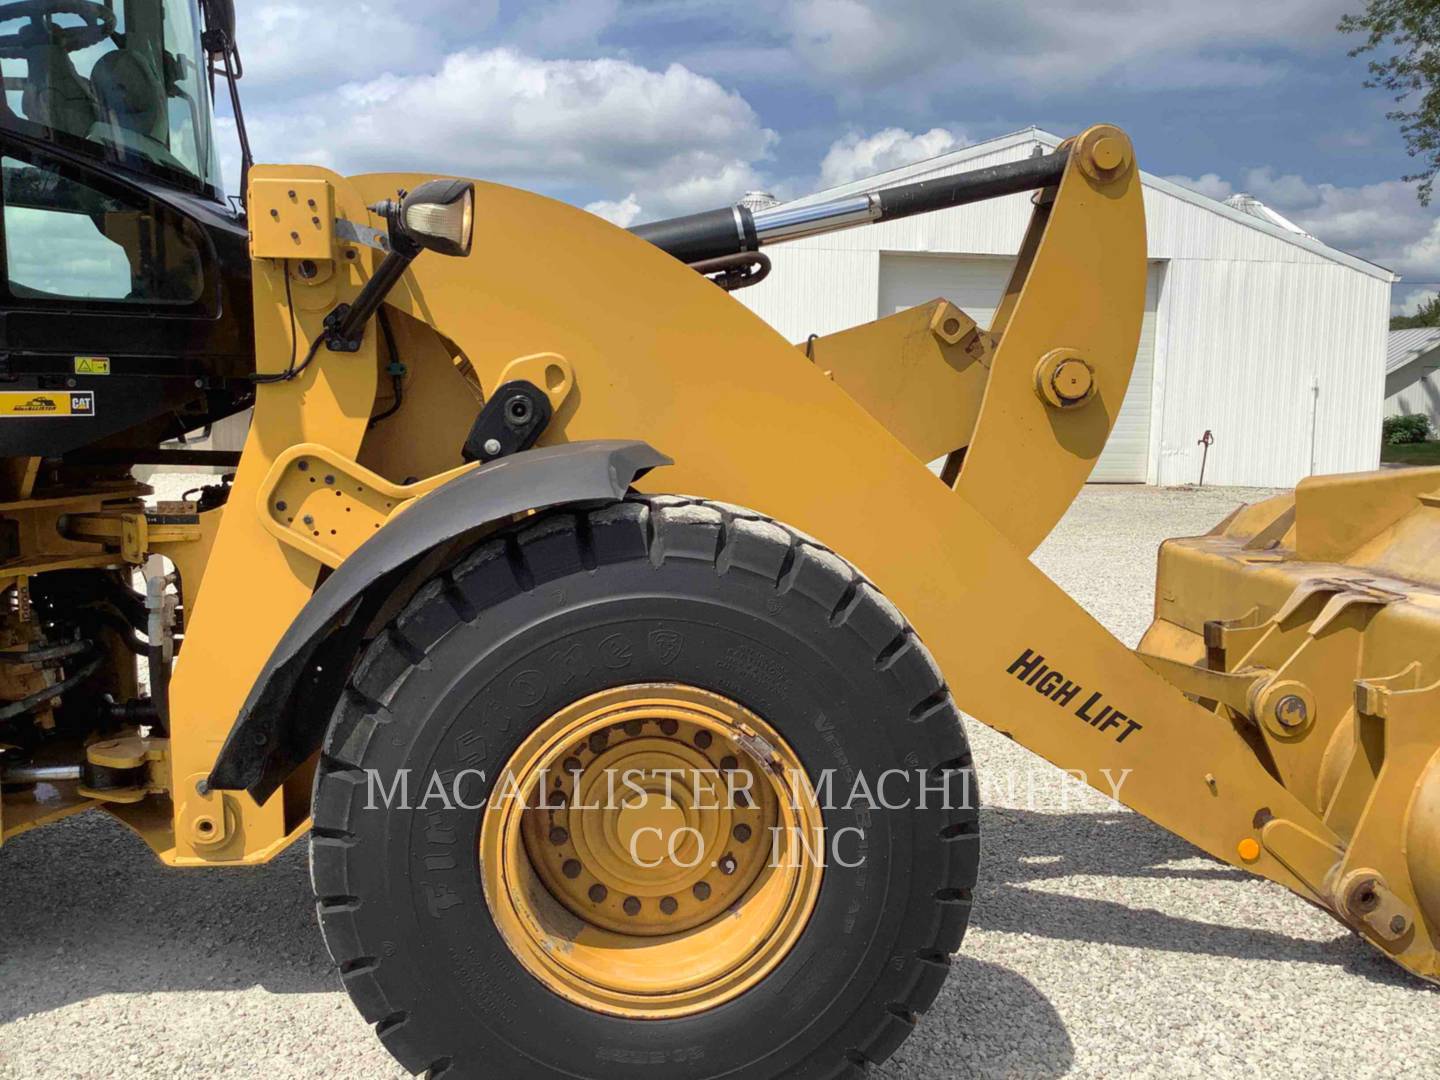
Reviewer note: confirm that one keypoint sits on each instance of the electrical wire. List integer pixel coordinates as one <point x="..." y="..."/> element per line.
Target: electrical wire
<point x="396" y="370"/>
<point x="291" y="370"/>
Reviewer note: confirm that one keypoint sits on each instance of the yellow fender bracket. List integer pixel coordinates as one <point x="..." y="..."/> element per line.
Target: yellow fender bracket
<point x="324" y="505"/>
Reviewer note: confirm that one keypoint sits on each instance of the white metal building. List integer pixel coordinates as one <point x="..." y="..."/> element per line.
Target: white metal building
<point x="1253" y="330"/>
<point x="1412" y="374"/>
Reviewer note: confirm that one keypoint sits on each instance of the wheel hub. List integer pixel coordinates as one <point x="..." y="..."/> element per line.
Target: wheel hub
<point x="652" y="862"/>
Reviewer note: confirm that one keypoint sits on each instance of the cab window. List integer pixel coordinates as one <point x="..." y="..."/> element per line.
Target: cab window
<point x="66" y="240"/>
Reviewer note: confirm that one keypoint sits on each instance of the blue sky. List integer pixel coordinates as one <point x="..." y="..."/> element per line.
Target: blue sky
<point x="649" y="108"/>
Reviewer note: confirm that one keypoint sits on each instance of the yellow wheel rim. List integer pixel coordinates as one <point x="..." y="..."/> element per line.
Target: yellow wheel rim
<point x="652" y="851"/>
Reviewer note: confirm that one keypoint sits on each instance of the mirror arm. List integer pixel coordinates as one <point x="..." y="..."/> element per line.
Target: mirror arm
<point x="219" y="41"/>
<point x="232" y="79"/>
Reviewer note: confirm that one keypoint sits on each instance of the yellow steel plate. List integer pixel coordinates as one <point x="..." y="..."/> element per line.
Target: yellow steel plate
<point x="291" y="219"/>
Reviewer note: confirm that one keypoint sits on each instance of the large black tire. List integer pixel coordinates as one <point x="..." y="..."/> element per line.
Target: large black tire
<point x="768" y="617"/>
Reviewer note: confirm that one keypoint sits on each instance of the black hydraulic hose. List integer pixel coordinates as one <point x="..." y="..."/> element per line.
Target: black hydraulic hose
<point x="44" y="654"/>
<point x="35" y="700"/>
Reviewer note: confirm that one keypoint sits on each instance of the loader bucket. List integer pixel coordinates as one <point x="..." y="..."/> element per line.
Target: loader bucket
<point x="1312" y="622"/>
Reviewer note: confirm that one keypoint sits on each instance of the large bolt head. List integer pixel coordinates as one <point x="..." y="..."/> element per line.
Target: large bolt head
<point x="1286" y="708"/>
<point x="1108" y="153"/>
<point x="1292" y="711"/>
<point x="1073" y="380"/>
<point x="1064" y="380"/>
<point x="1363" y="897"/>
<point x="1104" y="153"/>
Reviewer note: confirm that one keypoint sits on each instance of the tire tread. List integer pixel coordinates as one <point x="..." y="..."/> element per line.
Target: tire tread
<point x="733" y="540"/>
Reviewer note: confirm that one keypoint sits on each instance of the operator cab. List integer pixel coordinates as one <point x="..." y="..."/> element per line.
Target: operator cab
<point x="121" y="80"/>
<point x="125" y="300"/>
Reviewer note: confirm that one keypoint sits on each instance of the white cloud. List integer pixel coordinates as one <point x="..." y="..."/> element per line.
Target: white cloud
<point x="839" y="36"/>
<point x="283" y="44"/>
<point x="853" y="45"/>
<point x="856" y="156"/>
<point x="565" y="25"/>
<point x="1210" y="185"/>
<point x="703" y="187"/>
<point x="677" y="140"/>
<point x="1410" y="304"/>
<point x="622" y="212"/>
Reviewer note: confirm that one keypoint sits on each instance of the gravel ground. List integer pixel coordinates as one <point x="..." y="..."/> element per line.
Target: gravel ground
<point x="1100" y="945"/>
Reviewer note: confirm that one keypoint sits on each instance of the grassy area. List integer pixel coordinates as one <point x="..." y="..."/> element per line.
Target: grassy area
<point x="1426" y="453"/>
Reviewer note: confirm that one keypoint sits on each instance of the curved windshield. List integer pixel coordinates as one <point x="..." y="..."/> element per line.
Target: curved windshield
<point x="125" y="78"/>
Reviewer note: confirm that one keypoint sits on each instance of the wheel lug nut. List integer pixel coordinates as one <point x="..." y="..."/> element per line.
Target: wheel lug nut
<point x="571" y="765"/>
<point x="633" y="727"/>
<point x="668" y="905"/>
<point x="728" y="865"/>
<point x="598" y="894"/>
<point x="598" y="741"/>
<point x="729" y="763"/>
<point x="571" y="869"/>
<point x="703" y="739"/>
<point x="558" y="835"/>
<point x="741" y="833"/>
<point x="669" y="727"/>
<point x="631" y="906"/>
<point x="701" y="890"/>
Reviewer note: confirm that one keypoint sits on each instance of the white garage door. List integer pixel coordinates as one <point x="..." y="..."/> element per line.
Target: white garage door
<point x="975" y="285"/>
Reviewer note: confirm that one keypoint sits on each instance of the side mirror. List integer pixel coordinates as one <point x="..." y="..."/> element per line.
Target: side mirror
<point x="219" y="24"/>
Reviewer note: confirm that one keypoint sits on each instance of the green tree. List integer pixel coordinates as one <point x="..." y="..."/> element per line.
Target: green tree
<point x="1404" y="38"/>
<point x="1428" y="314"/>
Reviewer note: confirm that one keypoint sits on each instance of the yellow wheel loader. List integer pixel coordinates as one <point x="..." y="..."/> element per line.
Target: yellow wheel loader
<point x="609" y="649"/>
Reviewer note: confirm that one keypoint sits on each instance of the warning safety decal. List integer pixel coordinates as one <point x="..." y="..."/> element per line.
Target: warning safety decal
<point x="18" y="404"/>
